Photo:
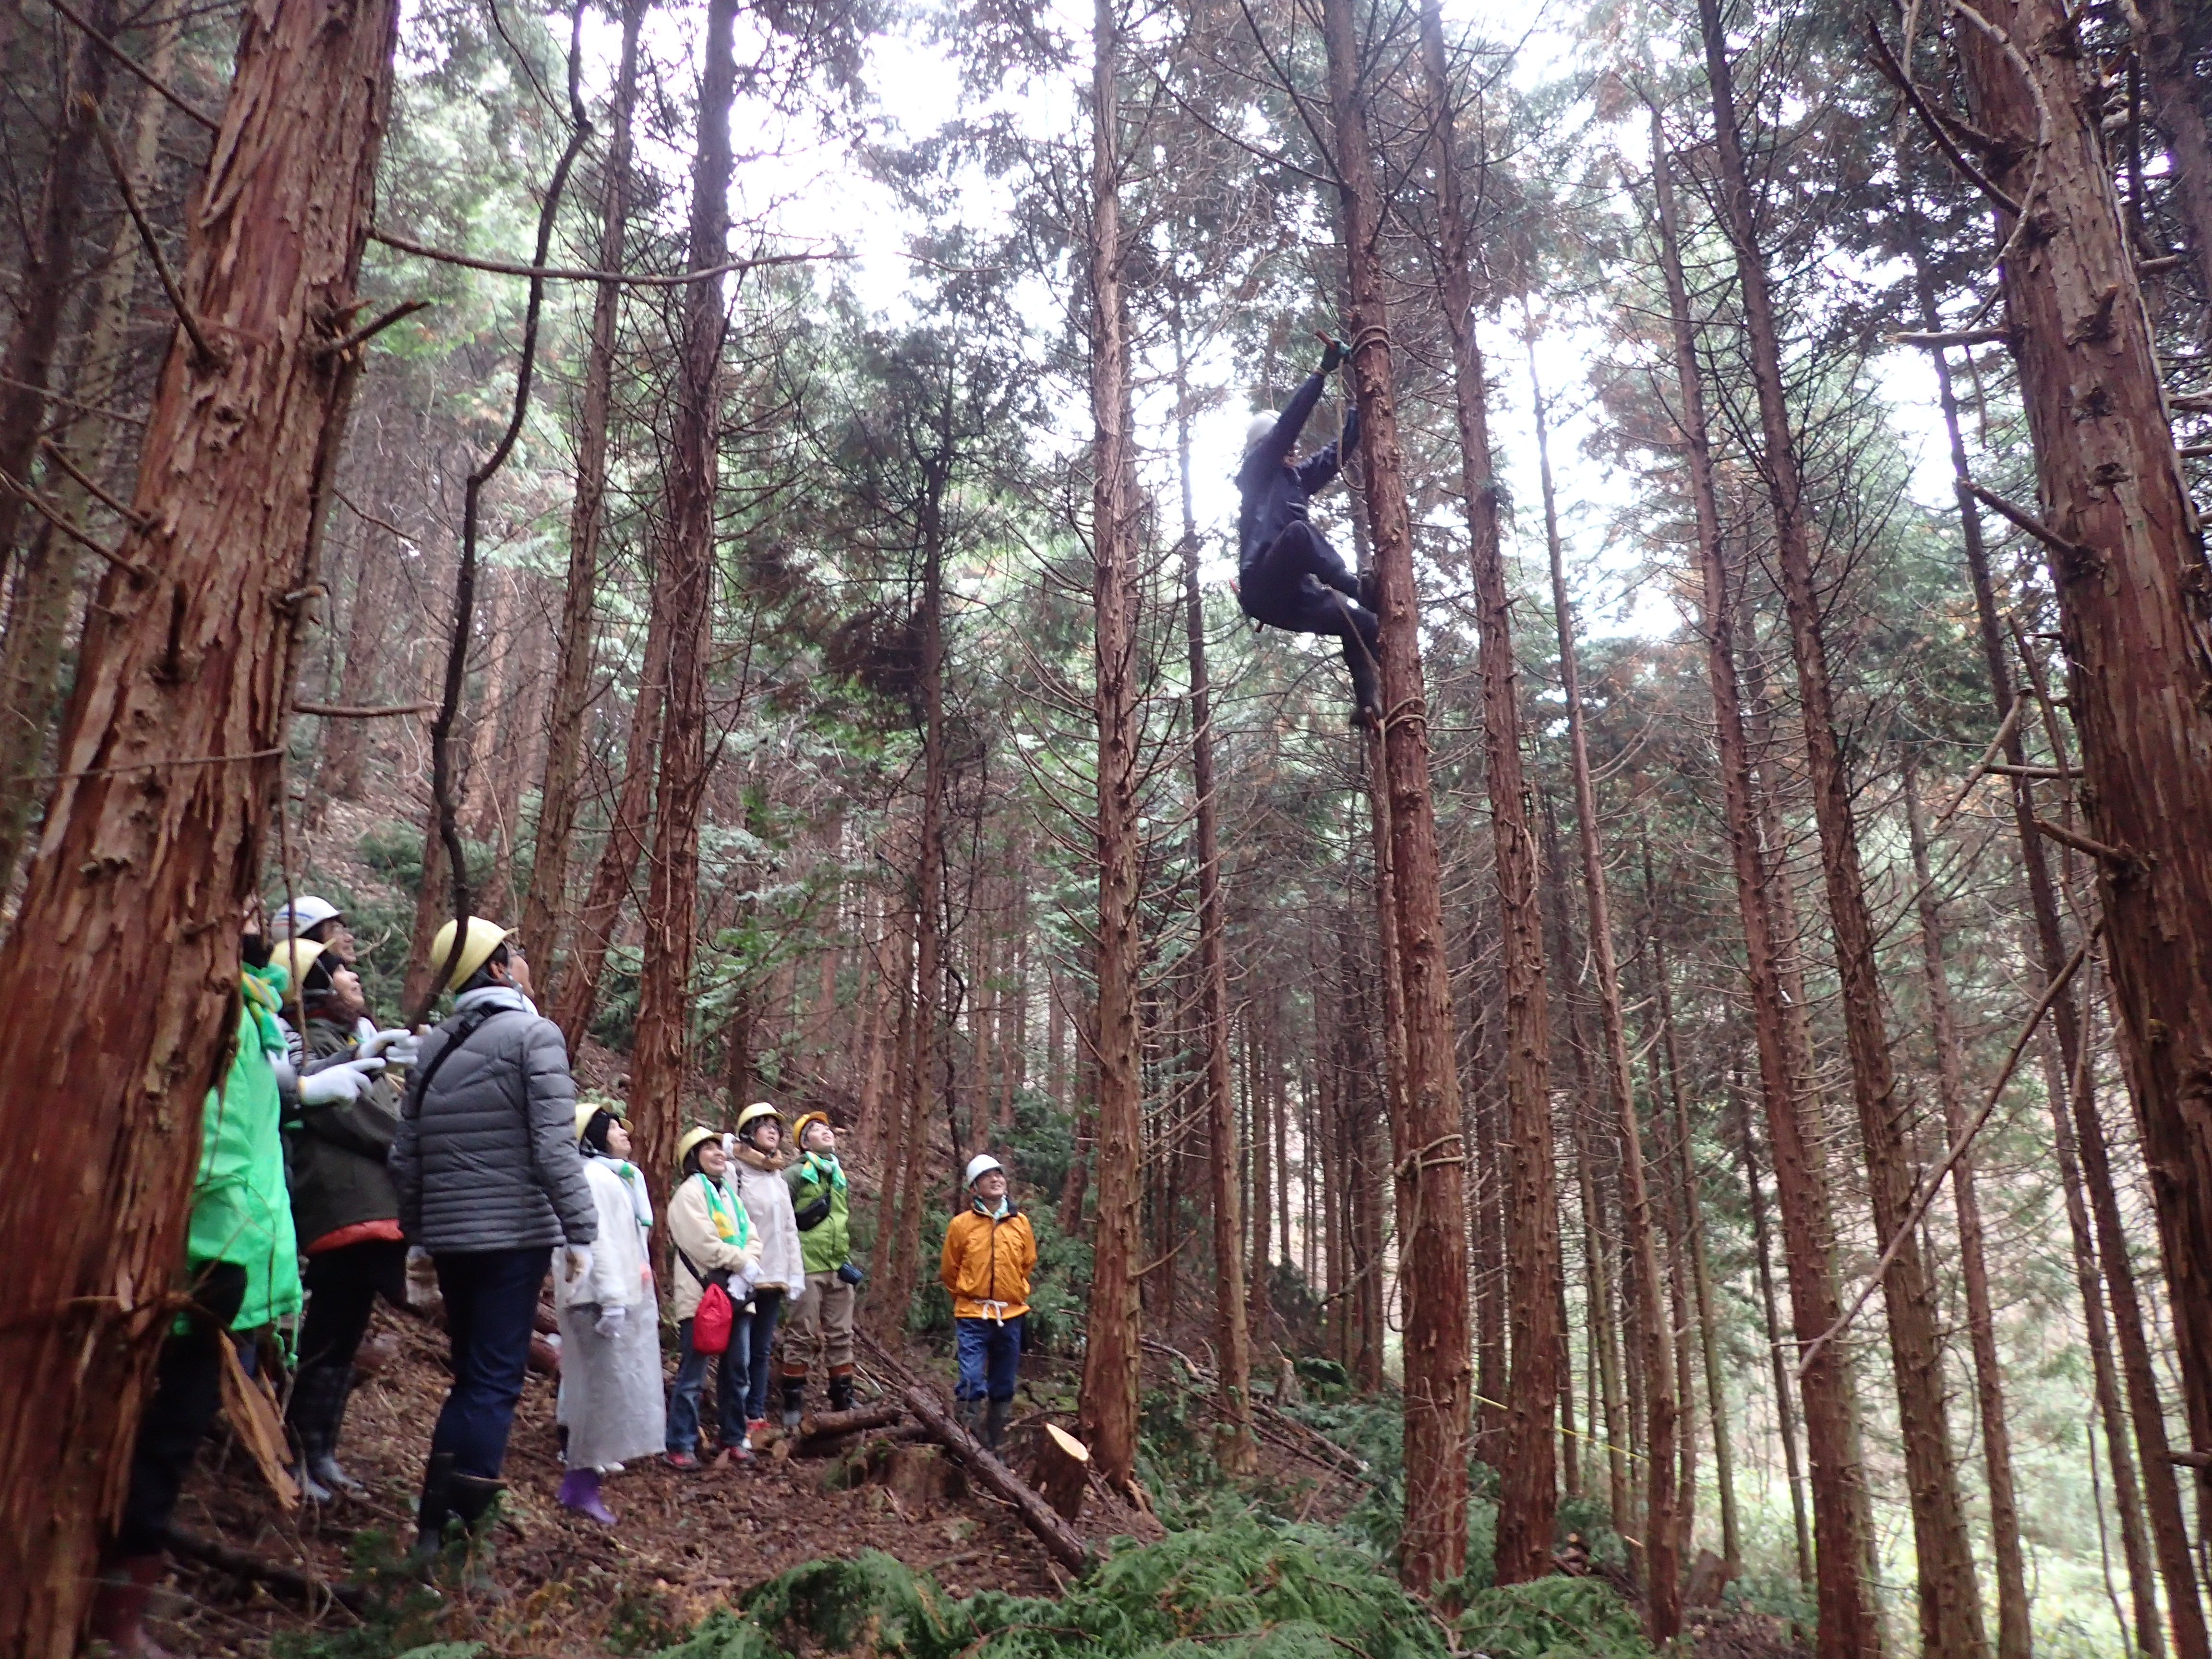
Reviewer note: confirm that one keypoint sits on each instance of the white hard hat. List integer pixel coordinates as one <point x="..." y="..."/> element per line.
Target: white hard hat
<point x="981" y="1165"/>
<point x="1256" y="434"/>
<point x="302" y="913"/>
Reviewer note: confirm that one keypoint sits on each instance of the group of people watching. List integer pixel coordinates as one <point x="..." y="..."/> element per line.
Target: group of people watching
<point x="467" y="1183"/>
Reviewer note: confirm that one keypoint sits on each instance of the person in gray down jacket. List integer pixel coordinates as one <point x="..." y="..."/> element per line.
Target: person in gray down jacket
<point x="489" y="1182"/>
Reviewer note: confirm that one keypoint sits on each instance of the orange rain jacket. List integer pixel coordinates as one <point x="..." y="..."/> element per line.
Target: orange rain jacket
<point x="987" y="1262"/>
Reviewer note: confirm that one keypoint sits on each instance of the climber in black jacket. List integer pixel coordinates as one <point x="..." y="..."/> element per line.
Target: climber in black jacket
<point x="1288" y="575"/>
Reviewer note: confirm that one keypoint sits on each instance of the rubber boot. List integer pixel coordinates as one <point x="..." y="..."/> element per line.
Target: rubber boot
<point x="118" y="1607"/>
<point x="995" y="1423"/>
<point x="436" y="1507"/>
<point x="474" y="1498"/>
<point x="841" y="1390"/>
<point x="318" y="1410"/>
<point x="579" y="1491"/>
<point x="794" y="1399"/>
<point x="970" y="1412"/>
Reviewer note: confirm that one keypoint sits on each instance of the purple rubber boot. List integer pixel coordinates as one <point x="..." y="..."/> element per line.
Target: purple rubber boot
<point x="579" y="1491"/>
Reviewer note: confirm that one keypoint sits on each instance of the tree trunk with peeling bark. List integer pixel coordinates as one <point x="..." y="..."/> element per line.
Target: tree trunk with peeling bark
<point x="683" y="591"/>
<point x="169" y="763"/>
<point x="2135" y="601"/>
<point x="1432" y="1545"/>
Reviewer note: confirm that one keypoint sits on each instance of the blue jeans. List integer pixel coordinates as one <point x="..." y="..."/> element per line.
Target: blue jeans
<point x="491" y="1310"/>
<point x="691" y="1377"/>
<point x="990" y="1358"/>
<point x="768" y="1308"/>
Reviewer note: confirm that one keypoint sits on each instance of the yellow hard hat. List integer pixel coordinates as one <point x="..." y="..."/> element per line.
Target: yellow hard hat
<point x="296" y="956"/>
<point x="587" y="1109"/>
<point x="754" y="1113"/>
<point x="484" y="937"/>
<point x="799" y="1127"/>
<point x="691" y="1138"/>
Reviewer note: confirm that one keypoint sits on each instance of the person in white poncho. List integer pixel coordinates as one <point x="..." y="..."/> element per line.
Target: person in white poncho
<point x="610" y="1322"/>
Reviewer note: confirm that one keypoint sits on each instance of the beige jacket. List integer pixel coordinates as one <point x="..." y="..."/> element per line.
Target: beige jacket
<point x="760" y="1182"/>
<point x="691" y="1231"/>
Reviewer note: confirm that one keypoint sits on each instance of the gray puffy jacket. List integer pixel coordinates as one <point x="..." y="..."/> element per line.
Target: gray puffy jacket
<point x="487" y="1159"/>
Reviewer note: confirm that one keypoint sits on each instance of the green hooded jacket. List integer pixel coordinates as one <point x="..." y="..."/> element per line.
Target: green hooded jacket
<point x="241" y="1211"/>
<point x="818" y="1200"/>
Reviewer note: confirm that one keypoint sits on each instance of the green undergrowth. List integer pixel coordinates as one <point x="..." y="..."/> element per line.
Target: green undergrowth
<point x="1240" y="1590"/>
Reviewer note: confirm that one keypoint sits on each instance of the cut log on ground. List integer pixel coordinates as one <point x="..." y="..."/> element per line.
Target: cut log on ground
<point x="241" y="1564"/>
<point x="1063" y="1471"/>
<point x="824" y="1425"/>
<point x="995" y="1478"/>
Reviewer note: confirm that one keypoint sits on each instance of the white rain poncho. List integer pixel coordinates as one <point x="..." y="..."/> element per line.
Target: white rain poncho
<point x="610" y="1387"/>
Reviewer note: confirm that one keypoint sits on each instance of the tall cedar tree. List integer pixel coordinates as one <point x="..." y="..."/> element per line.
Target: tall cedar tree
<point x="1432" y="1545"/>
<point x="169" y="767"/>
<point x="544" y="905"/>
<point x="1950" y="1605"/>
<point x="1662" y="1400"/>
<point x="1235" y="1446"/>
<point x="683" y="593"/>
<point x="2135" y="601"/>
<point x="1840" y="1522"/>
<point x="1111" y="1354"/>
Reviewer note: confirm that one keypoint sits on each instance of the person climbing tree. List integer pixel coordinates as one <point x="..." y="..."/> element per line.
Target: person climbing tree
<point x="1288" y="575"/>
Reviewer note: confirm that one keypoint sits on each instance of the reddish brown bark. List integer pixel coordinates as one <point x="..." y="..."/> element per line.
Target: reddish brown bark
<point x="543" y="904"/>
<point x="572" y="993"/>
<point x="1233" y="1442"/>
<point x="1111" y="1359"/>
<point x="169" y="763"/>
<point x="2162" y="41"/>
<point x="2013" y="1632"/>
<point x="1847" y="1624"/>
<point x="2130" y="570"/>
<point x="684" y="591"/>
<point x="1662" y="1526"/>
<point x="1432" y="1545"/>
<point x="1950" y="1603"/>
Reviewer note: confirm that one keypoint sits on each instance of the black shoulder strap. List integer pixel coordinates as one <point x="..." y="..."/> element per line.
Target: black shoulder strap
<point x="467" y="1027"/>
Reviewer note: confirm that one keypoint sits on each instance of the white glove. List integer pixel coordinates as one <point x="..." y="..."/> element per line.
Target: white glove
<point x="399" y="1045"/>
<point x="338" y="1086"/>
<point x="609" y="1324"/>
<point x="364" y="1028"/>
<point x="742" y="1283"/>
<point x="579" y="1259"/>
<point x="422" y="1277"/>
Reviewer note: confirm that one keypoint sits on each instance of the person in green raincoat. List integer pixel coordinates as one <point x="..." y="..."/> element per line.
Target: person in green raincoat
<point x="241" y="1272"/>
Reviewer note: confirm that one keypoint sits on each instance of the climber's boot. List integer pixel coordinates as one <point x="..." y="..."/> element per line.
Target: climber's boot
<point x="435" y="1508"/>
<point x="970" y="1412"/>
<point x="995" y="1423"/>
<point x="841" y="1388"/>
<point x="794" y="1399"/>
<point x="317" y="1411"/>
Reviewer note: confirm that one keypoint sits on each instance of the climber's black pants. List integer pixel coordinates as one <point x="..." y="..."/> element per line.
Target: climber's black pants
<point x="1298" y="583"/>
<point x="187" y="1394"/>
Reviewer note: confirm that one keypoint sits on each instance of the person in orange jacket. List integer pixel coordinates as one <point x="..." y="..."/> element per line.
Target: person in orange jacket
<point x="989" y="1253"/>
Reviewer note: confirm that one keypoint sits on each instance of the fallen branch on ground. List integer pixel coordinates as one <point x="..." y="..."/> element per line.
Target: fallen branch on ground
<point x="1060" y="1540"/>
<point x="212" y="1553"/>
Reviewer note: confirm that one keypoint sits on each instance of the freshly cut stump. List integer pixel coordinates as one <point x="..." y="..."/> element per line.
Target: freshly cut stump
<point x="1063" y="1471"/>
